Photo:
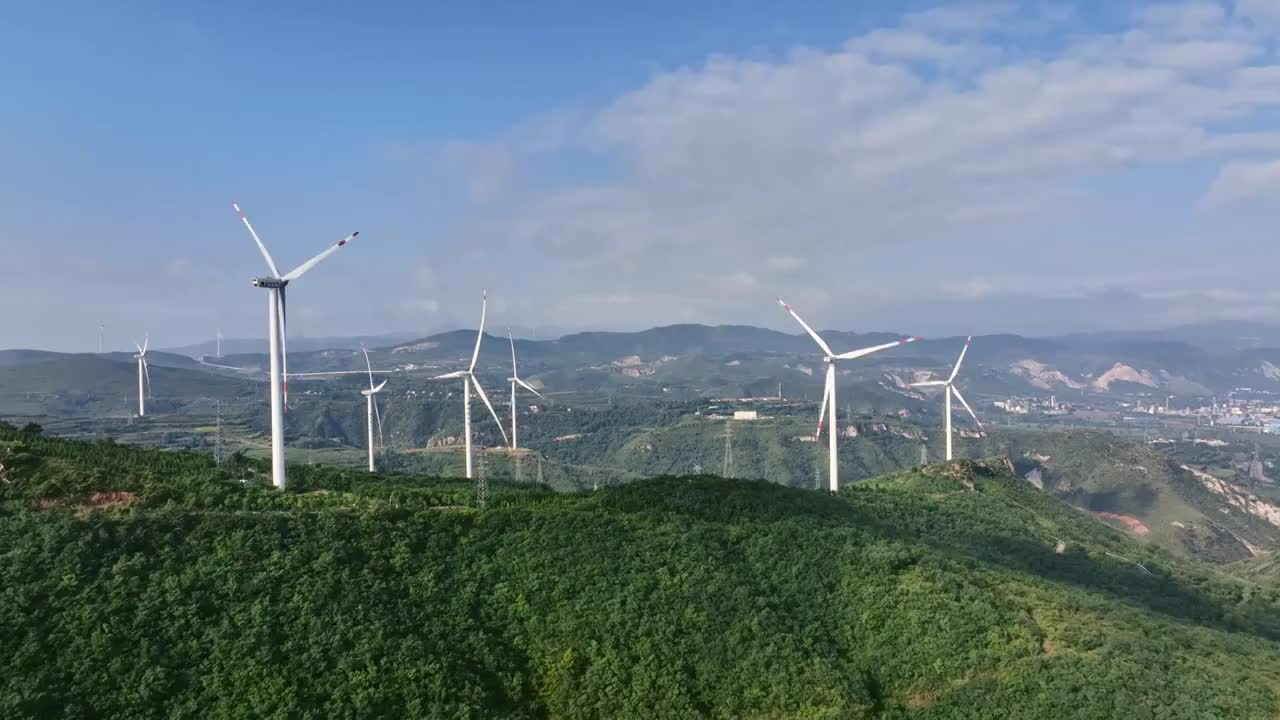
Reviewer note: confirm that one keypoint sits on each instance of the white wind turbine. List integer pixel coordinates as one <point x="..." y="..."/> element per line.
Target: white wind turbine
<point x="951" y="389"/>
<point x="277" y="320"/>
<point x="515" y="380"/>
<point x="144" y="374"/>
<point x="829" y="392"/>
<point x="372" y="407"/>
<point x="468" y="381"/>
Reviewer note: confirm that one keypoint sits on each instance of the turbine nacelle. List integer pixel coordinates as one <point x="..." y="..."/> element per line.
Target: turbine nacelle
<point x="269" y="283"/>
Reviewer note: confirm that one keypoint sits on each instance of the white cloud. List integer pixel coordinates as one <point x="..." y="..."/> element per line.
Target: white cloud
<point x="940" y="141"/>
<point x="1201" y="55"/>
<point x="1183" y="18"/>
<point x="972" y="289"/>
<point x="783" y="263"/>
<point x="424" y="306"/>
<point x="967" y="19"/>
<point x="1263" y="12"/>
<point x="913" y="46"/>
<point x="1240" y="181"/>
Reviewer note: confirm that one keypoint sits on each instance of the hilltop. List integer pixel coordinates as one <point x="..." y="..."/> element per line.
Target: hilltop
<point x="146" y="583"/>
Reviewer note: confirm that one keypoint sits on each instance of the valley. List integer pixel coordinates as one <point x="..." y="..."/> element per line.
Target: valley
<point x="620" y="407"/>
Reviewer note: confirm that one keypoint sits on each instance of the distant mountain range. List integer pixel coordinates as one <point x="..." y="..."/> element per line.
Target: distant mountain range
<point x="727" y="360"/>
<point x="249" y="346"/>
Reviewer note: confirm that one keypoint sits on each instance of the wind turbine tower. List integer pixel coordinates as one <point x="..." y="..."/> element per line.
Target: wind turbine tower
<point x="371" y="407"/>
<point x="277" y="346"/>
<point x="829" y="392"/>
<point x="144" y="375"/>
<point x="468" y="382"/>
<point x="951" y="389"/>
<point x="515" y="380"/>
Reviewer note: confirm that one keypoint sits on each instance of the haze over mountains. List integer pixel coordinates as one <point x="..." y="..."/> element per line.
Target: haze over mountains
<point x="1189" y="360"/>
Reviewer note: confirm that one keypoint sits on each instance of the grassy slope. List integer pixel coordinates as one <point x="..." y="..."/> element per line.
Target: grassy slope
<point x="935" y="593"/>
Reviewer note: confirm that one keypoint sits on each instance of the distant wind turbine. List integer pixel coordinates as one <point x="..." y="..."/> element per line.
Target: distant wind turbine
<point x="101" y="327"/>
<point x="829" y="392"/>
<point x="219" y="342"/>
<point x="515" y="380"/>
<point x="951" y="389"/>
<point x="372" y="407"/>
<point x="277" y="321"/>
<point x="144" y="374"/>
<point x="468" y="381"/>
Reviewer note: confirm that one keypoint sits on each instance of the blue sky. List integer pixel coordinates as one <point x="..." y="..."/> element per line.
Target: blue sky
<point x="964" y="167"/>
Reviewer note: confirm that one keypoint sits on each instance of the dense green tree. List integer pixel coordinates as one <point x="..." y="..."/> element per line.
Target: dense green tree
<point x="144" y="583"/>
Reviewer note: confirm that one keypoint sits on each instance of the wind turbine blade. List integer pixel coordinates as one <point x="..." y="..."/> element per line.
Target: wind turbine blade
<point x="956" y="391"/>
<point x="146" y="371"/>
<point x="853" y="354"/>
<point x="146" y="341"/>
<point x="135" y="344"/>
<point x="302" y="269"/>
<point x="529" y="387"/>
<point x="450" y="376"/>
<point x="929" y="383"/>
<point x="514" y="374"/>
<point x="818" y="339"/>
<point x="956" y="370"/>
<point x="284" y="347"/>
<point x="485" y="398"/>
<point x="822" y="413"/>
<point x="378" y="416"/>
<point x="369" y="367"/>
<point x="484" y="305"/>
<point x="376" y="390"/>
<point x="271" y="264"/>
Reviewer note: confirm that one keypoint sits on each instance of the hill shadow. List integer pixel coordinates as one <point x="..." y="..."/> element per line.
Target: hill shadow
<point x="960" y="533"/>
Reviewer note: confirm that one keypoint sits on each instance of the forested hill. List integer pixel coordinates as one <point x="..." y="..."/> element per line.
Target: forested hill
<point x="141" y="583"/>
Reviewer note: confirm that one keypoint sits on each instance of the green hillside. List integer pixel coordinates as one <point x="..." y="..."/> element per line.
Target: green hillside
<point x="1105" y="473"/>
<point x="92" y="385"/>
<point x="144" y="583"/>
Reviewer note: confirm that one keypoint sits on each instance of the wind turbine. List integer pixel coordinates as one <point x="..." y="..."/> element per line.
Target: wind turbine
<point x="515" y="380"/>
<point x="468" y="381"/>
<point x="829" y="392"/>
<point x="101" y="327"/>
<point x="277" y="320"/>
<point x="143" y="374"/>
<point x="951" y="389"/>
<point x="372" y="406"/>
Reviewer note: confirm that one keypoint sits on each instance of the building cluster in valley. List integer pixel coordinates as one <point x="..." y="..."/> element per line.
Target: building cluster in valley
<point x="1015" y="405"/>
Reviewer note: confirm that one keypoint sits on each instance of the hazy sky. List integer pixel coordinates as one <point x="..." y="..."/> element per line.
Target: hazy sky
<point x="1025" y="167"/>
